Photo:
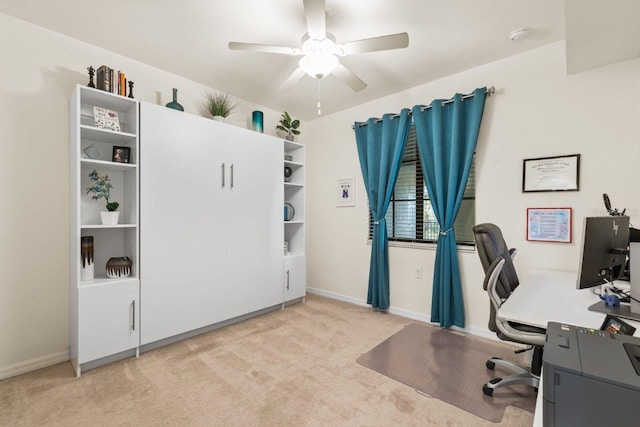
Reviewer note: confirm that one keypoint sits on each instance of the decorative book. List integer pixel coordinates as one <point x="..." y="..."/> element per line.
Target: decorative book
<point x="106" y="119"/>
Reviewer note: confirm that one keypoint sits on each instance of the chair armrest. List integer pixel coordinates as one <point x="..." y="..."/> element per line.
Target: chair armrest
<point x="513" y="252"/>
<point x="491" y="280"/>
<point x="532" y="338"/>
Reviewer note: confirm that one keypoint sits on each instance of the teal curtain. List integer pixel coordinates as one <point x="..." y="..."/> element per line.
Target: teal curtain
<point x="447" y="134"/>
<point x="380" y="146"/>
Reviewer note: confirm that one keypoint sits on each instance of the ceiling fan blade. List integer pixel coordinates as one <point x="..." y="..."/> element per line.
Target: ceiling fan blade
<point x="315" y="13"/>
<point x="264" y="48"/>
<point x="392" y="41"/>
<point x="348" y="78"/>
<point x="294" y="78"/>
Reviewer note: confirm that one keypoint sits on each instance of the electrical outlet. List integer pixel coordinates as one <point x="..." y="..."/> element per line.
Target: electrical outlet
<point x="418" y="272"/>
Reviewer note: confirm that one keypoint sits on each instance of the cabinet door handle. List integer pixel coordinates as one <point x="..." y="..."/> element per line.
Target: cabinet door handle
<point x="231" y="175"/>
<point x="222" y="167"/>
<point x="287" y="279"/>
<point x="133" y="315"/>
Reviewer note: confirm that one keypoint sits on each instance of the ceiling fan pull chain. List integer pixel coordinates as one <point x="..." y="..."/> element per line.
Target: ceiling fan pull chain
<point x="318" y="105"/>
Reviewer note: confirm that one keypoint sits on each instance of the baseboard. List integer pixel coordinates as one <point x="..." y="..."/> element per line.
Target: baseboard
<point x="33" y="364"/>
<point x="424" y="318"/>
<point x="339" y="297"/>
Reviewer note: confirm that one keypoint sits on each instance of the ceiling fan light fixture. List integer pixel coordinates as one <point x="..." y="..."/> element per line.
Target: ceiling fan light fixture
<point x="320" y="52"/>
<point x="319" y="64"/>
<point x="326" y="44"/>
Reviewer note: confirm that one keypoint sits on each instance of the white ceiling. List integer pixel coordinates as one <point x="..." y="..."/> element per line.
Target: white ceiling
<point x="189" y="38"/>
<point x="599" y="33"/>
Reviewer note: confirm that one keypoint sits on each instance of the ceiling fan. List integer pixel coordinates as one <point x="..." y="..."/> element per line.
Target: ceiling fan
<point x="320" y="51"/>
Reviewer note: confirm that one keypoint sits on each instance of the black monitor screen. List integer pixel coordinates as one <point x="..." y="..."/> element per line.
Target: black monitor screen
<point x="603" y="255"/>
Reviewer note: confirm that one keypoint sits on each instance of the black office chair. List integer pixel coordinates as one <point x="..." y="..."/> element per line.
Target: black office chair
<point x="499" y="282"/>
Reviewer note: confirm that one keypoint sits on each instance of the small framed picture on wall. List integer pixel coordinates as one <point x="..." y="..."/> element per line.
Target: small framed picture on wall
<point x="549" y="225"/>
<point x="346" y="192"/>
<point x="121" y="154"/>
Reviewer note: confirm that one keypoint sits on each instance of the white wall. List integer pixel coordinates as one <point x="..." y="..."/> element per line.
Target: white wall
<point x="537" y="111"/>
<point x="39" y="70"/>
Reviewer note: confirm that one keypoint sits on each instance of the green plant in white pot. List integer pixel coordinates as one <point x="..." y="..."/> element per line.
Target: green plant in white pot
<point x="289" y="125"/>
<point x="219" y="105"/>
<point x="101" y="188"/>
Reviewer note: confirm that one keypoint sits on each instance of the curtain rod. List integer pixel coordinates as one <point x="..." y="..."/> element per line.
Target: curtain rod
<point x="490" y="91"/>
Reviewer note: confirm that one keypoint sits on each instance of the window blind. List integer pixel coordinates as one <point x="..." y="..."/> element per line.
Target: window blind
<point x="410" y="217"/>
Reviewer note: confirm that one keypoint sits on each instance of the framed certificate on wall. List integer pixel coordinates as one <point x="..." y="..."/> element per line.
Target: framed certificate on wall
<point x="560" y="173"/>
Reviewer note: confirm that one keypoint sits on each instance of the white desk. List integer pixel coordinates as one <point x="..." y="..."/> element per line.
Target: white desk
<point x="551" y="296"/>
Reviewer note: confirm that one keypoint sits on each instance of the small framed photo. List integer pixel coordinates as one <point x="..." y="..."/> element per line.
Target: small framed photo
<point x="121" y="154"/>
<point x="560" y="173"/>
<point x="549" y="225"/>
<point x="346" y="192"/>
<point x="614" y="325"/>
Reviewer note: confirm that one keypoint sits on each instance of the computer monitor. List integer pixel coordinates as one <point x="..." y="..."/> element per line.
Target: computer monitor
<point x="605" y="242"/>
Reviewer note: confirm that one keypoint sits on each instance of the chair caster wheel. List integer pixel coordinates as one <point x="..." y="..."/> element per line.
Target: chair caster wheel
<point x="486" y="390"/>
<point x="490" y="365"/>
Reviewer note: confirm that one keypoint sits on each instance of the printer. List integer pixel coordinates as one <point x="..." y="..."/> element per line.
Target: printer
<point x="590" y="377"/>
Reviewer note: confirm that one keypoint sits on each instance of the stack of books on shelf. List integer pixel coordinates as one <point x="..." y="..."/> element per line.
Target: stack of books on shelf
<point x="110" y="80"/>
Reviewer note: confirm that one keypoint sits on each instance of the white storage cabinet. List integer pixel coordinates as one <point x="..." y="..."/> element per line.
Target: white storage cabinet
<point x="211" y="222"/>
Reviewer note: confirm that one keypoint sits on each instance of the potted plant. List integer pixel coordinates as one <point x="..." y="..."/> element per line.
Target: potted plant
<point x="101" y="189"/>
<point x="219" y="105"/>
<point x="289" y="125"/>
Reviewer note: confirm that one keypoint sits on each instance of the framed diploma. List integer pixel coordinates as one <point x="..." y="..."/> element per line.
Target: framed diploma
<point x="549" y="225"/>
<point x="559" y="173"/>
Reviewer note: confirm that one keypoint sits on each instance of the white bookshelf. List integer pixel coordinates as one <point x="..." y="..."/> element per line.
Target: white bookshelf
<point x="294" y="229"/>
<point x="104" y="311"/>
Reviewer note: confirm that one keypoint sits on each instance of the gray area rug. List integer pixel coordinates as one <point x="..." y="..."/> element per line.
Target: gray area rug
<point x="451" y="367"/>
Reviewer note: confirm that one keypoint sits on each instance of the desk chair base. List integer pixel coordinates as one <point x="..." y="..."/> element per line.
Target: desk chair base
<point x="513" y="367"/>
<point x="523" y="375"/>
<point x="522" y="379"/>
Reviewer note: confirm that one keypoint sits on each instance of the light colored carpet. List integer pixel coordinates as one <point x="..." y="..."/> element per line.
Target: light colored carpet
<point x="449" y="366"/>
<point x="293" y="367"/>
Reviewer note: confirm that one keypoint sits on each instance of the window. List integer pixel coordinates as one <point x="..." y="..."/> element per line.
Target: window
<point x="410" y="217"/>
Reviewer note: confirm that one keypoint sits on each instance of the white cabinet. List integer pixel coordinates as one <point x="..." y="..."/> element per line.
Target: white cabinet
<point x="183" y="211"/>
<point x="113" y="311"/>
<point x="211" y="222"/>
<point x="103" y="310"/>
<point x="294" y="226"/>
<point x="254" y="226"/>
<point x="294" y="277"/>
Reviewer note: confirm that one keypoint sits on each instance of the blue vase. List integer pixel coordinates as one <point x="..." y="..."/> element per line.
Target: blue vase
<point x="257" y="119"/>
<point x="174" y="104"/>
